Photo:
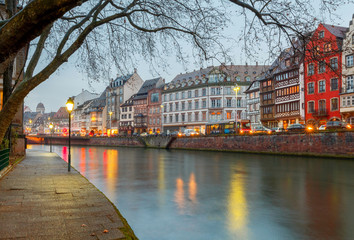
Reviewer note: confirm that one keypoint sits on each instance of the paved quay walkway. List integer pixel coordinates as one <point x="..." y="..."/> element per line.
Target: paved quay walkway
<point x="40" y="199"/>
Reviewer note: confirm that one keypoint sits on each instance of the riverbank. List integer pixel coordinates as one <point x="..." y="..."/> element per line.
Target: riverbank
<point x="39" y="199"/>
<point x="324" y="144"/>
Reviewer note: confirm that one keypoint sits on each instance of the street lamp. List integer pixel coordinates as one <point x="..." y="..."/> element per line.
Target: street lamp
<point x="236" y="89"/>
<point x="69" y="108"/>
<point x="110" y="122"/>
<point x="51" y="135"/>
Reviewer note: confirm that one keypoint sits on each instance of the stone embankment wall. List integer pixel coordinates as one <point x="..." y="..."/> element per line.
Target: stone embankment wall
<point x="338" y="144"/>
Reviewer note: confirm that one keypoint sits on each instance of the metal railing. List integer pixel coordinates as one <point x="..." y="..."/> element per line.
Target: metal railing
<point x="4" y="158"/>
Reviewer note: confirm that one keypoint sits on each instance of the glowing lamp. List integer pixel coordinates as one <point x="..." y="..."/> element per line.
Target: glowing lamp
<point x="51" y="126"/>
<point x="70" y="105"/>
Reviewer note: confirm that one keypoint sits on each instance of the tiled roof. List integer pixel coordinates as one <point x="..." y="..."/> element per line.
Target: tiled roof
<point x="337" y="31"/>
<point x="148" y="85"/>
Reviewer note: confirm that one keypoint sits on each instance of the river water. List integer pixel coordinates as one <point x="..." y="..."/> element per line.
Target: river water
<point x="215" y="195"/>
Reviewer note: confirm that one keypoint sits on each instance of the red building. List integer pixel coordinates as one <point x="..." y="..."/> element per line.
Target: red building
<point x="323" y="74"/>
<point x="154" y="111"/>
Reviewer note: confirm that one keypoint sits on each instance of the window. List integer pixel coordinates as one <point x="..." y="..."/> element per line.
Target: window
<point x="287" y="62"/>
<point x="322" y="106"/>
<point x="344" y="101"/>
<point x="196" y="93"/>
<point x="177" y="96"/>
<point x="310" y="88"/>
<point x="183" y="105"/>
<point x="176" y="106"/>
<point x="321" y="86"/>
<point x="311" y="69"/>
<point x="334" y="84"/>
<point x="238" y="102"/>
<point x="334" y="104"/>
<point x="228" y="102"/>
<point x="196" y="104"/>
<point x="196" y="117"/>
<point x="215" y="103"/>
<point x="189" y="94"/>
<point x="171" y="118"/>
<point x="204" y="91"/>
<point x="350" y="83"/>
<point x="155" y="97"/>
<point x="321" y="34"/>
<point x="311" y="107"/>
<point x="321" y="66"/>
<point x="248" y="79"/>
<point x="183" y="95"/>
<point x="238" y="78"/>
<point x="349" y="61"/>
<point x="189" y="105"/>
<point x="183" y="117"/>
<point x="204" y="116"/>
<point x="327" y="47"/>
<point x="171" y="107"/>
<point x="353" y="39"/>
<point x="204" y="104"/>
<point x="170" y="97"/>
<point x="176" y="117"/>
<point x="334" y="63"/>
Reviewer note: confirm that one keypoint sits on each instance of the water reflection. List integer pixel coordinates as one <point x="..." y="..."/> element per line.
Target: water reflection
<point x="237" y="203"/>
<point x="212" y="195"/>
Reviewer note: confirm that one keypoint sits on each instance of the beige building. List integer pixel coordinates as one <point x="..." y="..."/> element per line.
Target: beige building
<point x="347" y="93"/>
<point x="119" y="91"/>
<point x="206" y="96"/>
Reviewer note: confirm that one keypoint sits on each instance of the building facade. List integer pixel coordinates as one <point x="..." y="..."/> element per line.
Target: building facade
<point x="119" y="91"/>
<point x="347" y="94"/>
<point x="323" y="74"/>
<point x="154" y="102"/>
<point x="253" y="104"/>
<point x="126" y="124"/>
<point x="141" y="104"/>
<point x="267" y="98"/>
<point x="287" y="87"/>
<point x="193" y="100"/>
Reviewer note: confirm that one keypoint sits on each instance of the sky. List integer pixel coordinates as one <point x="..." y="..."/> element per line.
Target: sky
<point x="69" y="81"/>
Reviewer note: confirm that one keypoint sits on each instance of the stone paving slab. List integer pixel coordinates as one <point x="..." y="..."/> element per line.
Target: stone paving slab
<point x="40" y="199"/>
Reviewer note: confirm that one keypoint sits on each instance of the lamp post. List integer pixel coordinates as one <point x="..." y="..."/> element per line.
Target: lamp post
<point x="69" y="107"/>
<point x="51" y="135"/>
<point x="236" y="89"/>
<point x="110" y="122"/>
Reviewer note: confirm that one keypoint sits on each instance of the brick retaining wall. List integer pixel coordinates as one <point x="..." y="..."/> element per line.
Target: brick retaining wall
<point x="319" y="144"/>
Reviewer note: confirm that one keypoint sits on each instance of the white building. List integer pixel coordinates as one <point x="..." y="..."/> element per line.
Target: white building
<point x="79" y="100"/>
<point x="206" y="96"/>
<point x="126" y="123"/>
<point x="119" y="91"/>
<point x="253" y="104"/>
<point x="347" y="93"/>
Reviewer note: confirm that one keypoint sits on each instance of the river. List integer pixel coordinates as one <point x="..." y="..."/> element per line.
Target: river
<point x="196" y="195"/>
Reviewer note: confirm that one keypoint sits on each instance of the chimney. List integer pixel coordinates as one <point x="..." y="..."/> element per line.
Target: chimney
<point x="293" y="39"/>
<point x="135" y="70"/>
<point x="246" y="64"/>
<point x="256" y="63"/>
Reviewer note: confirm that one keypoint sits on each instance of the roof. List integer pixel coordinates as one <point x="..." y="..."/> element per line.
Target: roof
<point x="121" y="80"/>
<point x="129" y="102"/>
<point x="148" y="85"/>
<point x="337" y="31"/>
<point x="192" y="75"/>
<point x="40" y="105"/>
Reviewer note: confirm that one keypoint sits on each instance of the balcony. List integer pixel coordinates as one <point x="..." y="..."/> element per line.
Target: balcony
<point x="320" y="113"/>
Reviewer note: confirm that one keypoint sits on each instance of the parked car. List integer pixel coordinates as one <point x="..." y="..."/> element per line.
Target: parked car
<point x="322" y="127"/>
<point x="190" y="133"/>
<point x="144" y="134"/>
<point x="335" y="125"/>
<point x="261" y="129"/>
<point x="174" y="133"/>
<point x="278" y="129"/>
<point x="296" y="127"/>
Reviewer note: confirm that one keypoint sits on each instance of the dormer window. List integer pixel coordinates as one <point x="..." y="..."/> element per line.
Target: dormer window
<point x="321" y="34"/>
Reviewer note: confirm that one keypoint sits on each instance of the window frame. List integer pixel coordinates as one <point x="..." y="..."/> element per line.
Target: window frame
<point x="331" y="107"/>
<point x="319" y="86"/>
<point x="308" y="88"/>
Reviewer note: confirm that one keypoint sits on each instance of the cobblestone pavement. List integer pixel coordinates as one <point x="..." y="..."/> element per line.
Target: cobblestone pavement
<point x="40" y="199"/>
